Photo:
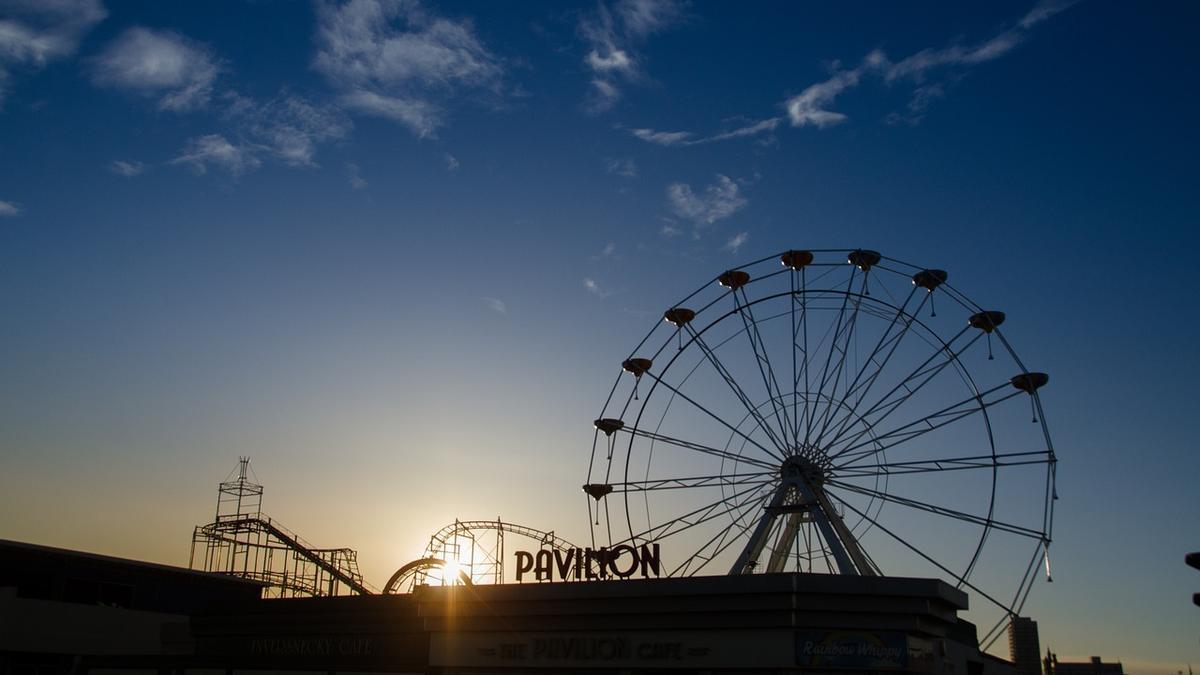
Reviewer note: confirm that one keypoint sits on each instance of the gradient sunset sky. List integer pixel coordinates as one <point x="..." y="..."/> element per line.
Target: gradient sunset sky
<point x="396" y="251"/>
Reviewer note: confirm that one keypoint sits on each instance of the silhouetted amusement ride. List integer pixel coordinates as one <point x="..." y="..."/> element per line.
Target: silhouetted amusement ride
<point x="823" y="466"/>
<point x="807" y="412"/>
<point x="833" y="411"/>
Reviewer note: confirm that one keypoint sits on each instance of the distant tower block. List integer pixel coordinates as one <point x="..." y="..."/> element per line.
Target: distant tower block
<point x="1023" y="648"/>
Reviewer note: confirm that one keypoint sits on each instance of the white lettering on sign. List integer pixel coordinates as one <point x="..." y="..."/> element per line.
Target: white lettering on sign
<point x="865" y="649"/>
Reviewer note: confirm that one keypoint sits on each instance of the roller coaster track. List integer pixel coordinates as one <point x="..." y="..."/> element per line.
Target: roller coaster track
<point x="225" y="529"/>
<point x="438" y="543"/>
<point x="441" y="536"/>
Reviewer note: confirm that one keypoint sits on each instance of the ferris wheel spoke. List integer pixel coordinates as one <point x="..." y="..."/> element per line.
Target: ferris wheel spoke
<point x="960" y="299"/>
<point x="837" y="332"/>
<point x="940" y="510"/>
<point x="907" y="432"/>
<point x="776" y="453"/>
<point x="969" y="405"/>
<point x="755" y="506"/>
<point x="796" y="367"/>
<point x="689" y="445"/>
<point x="999" y="460"/>
<point x="1019" y="598"/>
<point x="920" y="427"/>
<point x="763" y="361"/>
<point x="711" y="356"/>
<point x="719" y="540"/>
<point x="922" y="375"/>
<point x="886" y="341"/>
<point x="925" y="373"/>
<point x="960" y="578"/>
<point x="810" y="354"/>
<point x="831" y="400"/>
<point x="694" y="482"/>
<point x="694" y="518"/>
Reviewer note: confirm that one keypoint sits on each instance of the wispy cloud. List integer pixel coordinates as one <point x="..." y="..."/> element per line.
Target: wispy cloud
<point x="287" y="129"/>
<point x="625" y="168"/>
<point x="1044" y="10"/>
<point x="667" y="138"/>
<point x="736" y="241"/>
<point x="216" y="151"/>
<point x="681" y="138"/>
<point x="918" y="103"/>
<point x="812" y="107"/>
<point x="290" y="127"/>
<point x="615" y="61"/>
<point x="918" y="65"/>
<point x="593" y="287"/>
<point x="161" y="64"/>
<point x="451" y="162"/>
<point x="129" y="169"/>
<point x="604" y="95"/>
<point x="718" y="201"/>
<point x="496" y="305"/>
<point x="609" y="250"/>
<point x="644" y="17"/>
<point x="8" y="209"/>
<point x="612" y="35"/>
<point x="181" y="74"/>
<point x="352" y="174"/>
<point x="421" y="117"/>
<point x="746" y="130"/>
<point x="33" y="34"/>
<point x="398" y="60"/>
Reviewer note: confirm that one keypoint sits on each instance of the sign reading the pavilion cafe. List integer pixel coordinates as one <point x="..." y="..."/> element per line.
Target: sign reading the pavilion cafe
<point x="621" y="562"/>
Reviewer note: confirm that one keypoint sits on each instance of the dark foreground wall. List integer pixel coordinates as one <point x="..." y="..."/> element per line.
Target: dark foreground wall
<point x="60" y="607"/>
<point x="758" y="623"/>
<point x="771" y="622"/>
<point x="776" y="621"/>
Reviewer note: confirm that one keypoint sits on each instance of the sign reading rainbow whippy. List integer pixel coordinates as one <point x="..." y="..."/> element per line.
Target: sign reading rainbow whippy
<point x="579" y="564"/>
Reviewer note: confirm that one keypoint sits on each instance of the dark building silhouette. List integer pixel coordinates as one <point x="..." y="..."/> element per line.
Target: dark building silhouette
<point x="69" y="612"/>
<point x="1023" y="648"/>
<point x="58" y="607"/>
<point x="1094" y="666"/>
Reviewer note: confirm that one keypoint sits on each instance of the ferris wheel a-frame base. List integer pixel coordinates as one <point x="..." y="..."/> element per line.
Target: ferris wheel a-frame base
<point x="800" y="498"/>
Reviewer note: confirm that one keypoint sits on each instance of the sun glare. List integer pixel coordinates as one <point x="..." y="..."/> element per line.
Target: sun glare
<point x="450" y="571"/>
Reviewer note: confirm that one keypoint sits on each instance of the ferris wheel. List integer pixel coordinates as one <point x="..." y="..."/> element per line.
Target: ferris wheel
<point x="830" y="411"/>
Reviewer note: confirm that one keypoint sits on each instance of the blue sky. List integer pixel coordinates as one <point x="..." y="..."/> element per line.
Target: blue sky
<point x="396" y="251"/>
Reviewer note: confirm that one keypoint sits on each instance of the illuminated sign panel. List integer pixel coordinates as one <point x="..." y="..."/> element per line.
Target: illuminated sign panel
<point x="699" y="649"/>
<point x="621" y="562"/>
<point x="859" y="650"/>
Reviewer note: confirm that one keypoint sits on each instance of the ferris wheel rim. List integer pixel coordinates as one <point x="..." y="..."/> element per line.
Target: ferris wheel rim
<point x="834" y="292"/>
<point x="993" y="458"/>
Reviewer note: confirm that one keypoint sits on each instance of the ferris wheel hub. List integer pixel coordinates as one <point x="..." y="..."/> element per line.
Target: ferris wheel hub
<point x="800" y="466"/>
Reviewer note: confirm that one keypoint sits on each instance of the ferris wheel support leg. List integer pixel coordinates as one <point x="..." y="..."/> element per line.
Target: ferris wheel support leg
<point x="828" y="521"/>
<point x="842" y="545"/>
<point x="785" y="542"/>
<point x="843" y="540"/>
<point x="758" y="540"/>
